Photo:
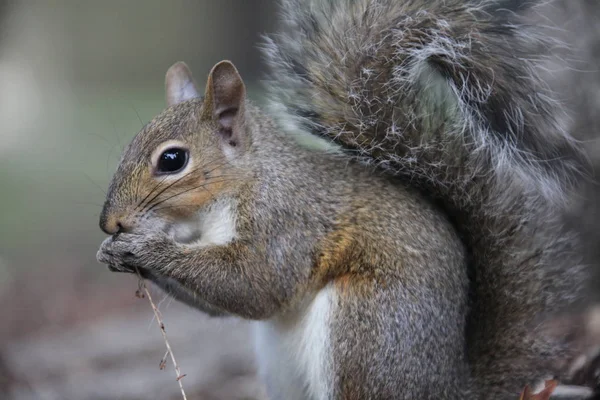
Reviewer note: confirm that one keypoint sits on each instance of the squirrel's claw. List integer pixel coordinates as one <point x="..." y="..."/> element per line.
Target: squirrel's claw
<point x="120" y="268"/>
<point x="107" y="255"/>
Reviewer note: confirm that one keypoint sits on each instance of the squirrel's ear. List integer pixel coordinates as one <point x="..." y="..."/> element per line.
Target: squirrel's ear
<point x="225" y="96"/>
<point x="179" y="84"/>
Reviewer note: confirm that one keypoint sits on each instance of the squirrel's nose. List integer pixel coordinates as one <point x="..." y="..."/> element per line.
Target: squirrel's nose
<point x="113" y="224"/>
<point x="114" y="220"/>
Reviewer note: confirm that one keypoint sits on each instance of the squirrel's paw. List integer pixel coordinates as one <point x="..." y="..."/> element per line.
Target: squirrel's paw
<point x="106" y="255"/>
<point x="127" y="251"/>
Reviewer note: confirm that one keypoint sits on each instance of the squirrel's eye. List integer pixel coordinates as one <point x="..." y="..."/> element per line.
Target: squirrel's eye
<point x="172" y="161"/>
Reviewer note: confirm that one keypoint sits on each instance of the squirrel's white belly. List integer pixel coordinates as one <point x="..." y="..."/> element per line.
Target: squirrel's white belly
<point x="294" y="353"/>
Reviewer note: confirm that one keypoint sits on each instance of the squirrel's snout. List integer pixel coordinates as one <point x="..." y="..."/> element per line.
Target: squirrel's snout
<point x="112" y="227"/>
<point x="112" y="224"/>
<point x="115" y="220"/>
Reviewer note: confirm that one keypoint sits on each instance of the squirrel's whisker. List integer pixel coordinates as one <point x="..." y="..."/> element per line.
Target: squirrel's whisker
<point x="171" y="184"/>
<point x="139" y="205"/>
<point x="189" y="174"/>
<point x="187" y="191"/>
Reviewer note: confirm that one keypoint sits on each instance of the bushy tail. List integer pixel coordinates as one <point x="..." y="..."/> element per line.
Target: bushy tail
<point x="445" y="93"/>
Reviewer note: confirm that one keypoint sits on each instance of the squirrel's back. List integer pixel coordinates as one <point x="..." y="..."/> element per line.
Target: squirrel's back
<point x="445" y="93"/>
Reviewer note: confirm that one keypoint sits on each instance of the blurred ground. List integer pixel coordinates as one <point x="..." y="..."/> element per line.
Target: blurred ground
<point x="77" y="81"/>
<point x="118" y="357"/>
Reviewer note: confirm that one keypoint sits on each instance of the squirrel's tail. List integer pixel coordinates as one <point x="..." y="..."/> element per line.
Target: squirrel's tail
<point x="445" y="93"/>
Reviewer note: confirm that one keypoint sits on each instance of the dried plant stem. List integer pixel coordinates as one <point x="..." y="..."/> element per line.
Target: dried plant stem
<point x="163" y="361"/>
<point x="161" y="325"/>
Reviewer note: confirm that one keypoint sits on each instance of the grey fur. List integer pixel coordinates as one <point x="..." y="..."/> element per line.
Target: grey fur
<point x="308" y="220"/>
<point x="445" y="94"/>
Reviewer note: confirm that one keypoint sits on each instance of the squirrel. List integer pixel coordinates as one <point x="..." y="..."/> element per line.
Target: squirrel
<point x="417" y="262"/>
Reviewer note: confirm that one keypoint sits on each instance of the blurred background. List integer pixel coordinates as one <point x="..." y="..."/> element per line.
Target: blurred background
<point x="77" y="80"/>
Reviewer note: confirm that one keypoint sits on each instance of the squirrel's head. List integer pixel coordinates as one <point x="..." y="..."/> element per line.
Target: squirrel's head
<point x="186" y="156"/>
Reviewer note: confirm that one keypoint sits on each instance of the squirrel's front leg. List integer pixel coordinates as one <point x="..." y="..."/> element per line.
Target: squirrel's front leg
<point x="234" y="278"/>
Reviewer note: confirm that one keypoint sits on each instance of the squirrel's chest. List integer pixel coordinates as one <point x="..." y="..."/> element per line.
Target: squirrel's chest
<point x="294" y="353"/>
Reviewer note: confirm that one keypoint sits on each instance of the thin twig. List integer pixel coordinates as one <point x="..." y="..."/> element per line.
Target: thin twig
<point x="161" y="325"/>
<point x="163" y="361"/>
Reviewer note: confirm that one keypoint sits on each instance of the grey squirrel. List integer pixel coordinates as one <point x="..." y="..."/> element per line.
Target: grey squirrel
<point x="422" y="275"/>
